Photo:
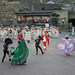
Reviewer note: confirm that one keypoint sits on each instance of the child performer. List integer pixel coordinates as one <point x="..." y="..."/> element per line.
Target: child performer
<point x="37" y="42"/>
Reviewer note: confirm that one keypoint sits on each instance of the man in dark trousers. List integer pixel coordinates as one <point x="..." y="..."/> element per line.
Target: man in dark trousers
<point x="5" y="51"/>
<point x="5" y="46"/>
<point x="37" y="42"/>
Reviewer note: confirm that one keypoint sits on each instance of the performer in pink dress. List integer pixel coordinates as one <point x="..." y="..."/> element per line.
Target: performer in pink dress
<point x="67" y="47"/>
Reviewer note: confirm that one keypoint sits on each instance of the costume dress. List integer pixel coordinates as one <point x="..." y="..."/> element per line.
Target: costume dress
<point x="56" y="33"/>
<point x="72" y="30"/>
<point x="47" y="37"/>
<point x="28" y="35"/>
<point x="24" y="33"/>
<point x="0" y="31"/>
<point x="44" y="42"/>
<point x="2" y="34"/>
<point x="20" y="36"/>
<point x="15" y="34"/>
<point x="51" y="31"/>
<point x="67" y="47"/>
<point x="20" y="54"/>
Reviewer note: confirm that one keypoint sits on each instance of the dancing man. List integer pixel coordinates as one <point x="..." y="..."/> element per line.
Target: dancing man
<point x="37" y="42"/>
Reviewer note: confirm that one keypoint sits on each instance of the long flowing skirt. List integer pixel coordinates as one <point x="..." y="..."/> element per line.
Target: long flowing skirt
<point x="20" y="54"/>
<point x="70" y="48"/>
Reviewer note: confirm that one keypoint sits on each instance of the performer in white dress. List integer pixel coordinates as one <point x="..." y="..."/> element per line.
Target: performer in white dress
<point x="35" y="33"/>
<point x="24" y="32"/>
<point x="10" y="31"/>
<point x="2" y="33"/>
<point x="56" y="33"/>
<point x="5" y="34"/>
<point x="28" y="35"/>
<point x="73" y="30"/>
<point x="32" y="32"/>
<point x="38" y="32"/>
<point x="15" y="33"/>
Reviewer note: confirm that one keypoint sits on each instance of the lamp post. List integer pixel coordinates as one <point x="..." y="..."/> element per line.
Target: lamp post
<point x="18" y="21"/>
<point x="10" y="21"/>
<point x="63" y="21"/>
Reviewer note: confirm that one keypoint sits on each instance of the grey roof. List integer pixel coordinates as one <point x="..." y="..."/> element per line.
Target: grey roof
<point x="50" y="2"/>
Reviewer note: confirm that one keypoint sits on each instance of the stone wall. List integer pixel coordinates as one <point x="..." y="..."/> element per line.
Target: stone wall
<point x="63" y="16"/>
<point x="46" y="7"/>
<point x="3" y="0"/>
<point x="56" y="1"/>
<point x="7" y="10"/>
<point x="71" y="14"/>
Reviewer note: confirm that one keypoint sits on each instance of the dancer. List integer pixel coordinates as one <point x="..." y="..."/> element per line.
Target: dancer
<point x="44" y="42"/>
<point x="37" y="42"/>
<point x="20" y="36"/>
<point x="47" y="37"/>
<point x="56" y="33"/>
<point x="5" y="50"/>
<point x="20" y="54"/>
<point x="44" y="39"/>
<point x="67" y="47"/>
<point x="73" y="30"/>
<point x="28" y="35"/>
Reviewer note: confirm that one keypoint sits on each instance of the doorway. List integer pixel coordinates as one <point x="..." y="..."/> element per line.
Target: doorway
<point x="73" y="22"/>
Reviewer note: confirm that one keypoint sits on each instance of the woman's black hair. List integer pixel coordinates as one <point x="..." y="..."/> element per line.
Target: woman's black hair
<point x="66" y="37"/>
<point x="18" y="42"/>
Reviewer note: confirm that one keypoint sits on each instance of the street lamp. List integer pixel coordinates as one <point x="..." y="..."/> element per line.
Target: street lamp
<point x="10" y="21"/>
<point x="21" y="15"/>
<point x="18" y="20"/>
<point x="63" y="21"/>
<point x="35" y="20"/>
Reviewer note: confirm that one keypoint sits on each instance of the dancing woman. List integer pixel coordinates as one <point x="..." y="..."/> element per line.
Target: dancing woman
<point x="20" y="54"/>
<point x="67" y="47"/>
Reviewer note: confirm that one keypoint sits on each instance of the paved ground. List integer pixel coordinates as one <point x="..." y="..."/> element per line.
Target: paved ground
<point x="53" y="62"/>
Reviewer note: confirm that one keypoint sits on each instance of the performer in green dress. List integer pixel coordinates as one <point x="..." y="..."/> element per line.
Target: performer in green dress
<point x="20" y="54"/>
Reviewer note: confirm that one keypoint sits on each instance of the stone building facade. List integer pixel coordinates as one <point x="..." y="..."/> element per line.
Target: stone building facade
<point x="7" y="10"/>
<point x="65" y="8"/>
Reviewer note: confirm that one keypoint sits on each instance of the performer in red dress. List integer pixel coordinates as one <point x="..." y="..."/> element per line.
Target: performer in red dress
<point x="44" y="42"/>
<point x="47" y="37"/>
<point x="20" y="36"/>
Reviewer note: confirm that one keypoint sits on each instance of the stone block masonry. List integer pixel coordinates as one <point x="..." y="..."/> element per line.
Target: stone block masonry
<point x="7" y="10"/>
